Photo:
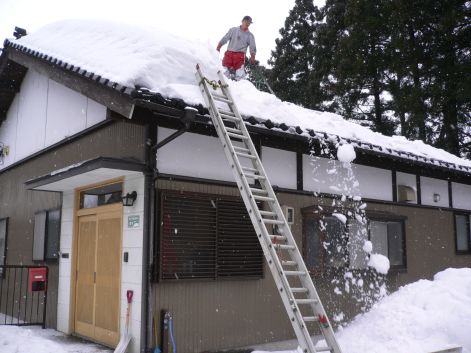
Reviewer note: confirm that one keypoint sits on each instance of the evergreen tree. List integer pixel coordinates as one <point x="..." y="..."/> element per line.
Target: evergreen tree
<point x="401" y="66"/>
<point x="292" y="58"/>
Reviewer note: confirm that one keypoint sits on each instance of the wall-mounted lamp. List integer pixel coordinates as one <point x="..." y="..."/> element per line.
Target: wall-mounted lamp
<point x="129" y="198"/>
<point x="436" y="197"/>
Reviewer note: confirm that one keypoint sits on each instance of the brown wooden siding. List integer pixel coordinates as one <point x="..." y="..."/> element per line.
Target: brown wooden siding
<point x="119" y="140"/>
<point x="212" y="315"/>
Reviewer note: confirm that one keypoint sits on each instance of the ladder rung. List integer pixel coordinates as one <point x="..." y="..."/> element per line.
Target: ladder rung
<point x="288" y="263"/>
<point x="225" y="112"/>
<point x="237" y="136"/>
<point x="306" y="301"/>
<point x="235" y="131"/>
<point x="271" y="221"/>
<point x="229" y="117"/>
<point x="268" y="213"/>
<point x="242" y="149"/>
<point x="311" y="318"/>
<point x="254" y="176"/>
<point x="299" y="290"/>
<point x="277" y="238"/>
<point x="264" y="198"/>
<point x="295" y="273"/>
<point x="248" y="169"/>
<point x="284" y="246"/>
<point x="259" y="191"/>
<point x="245" y="155"/>
<point x="323" y="349"/>
<point x="222" y="99"/>
<point x="218" y="95"/>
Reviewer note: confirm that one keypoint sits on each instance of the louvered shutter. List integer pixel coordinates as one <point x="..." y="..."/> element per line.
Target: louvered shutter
<point x="188" y="237"/>
<point x="239" y="252"/>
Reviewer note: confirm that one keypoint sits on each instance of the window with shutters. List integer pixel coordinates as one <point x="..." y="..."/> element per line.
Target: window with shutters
<point x="206" y="236"/>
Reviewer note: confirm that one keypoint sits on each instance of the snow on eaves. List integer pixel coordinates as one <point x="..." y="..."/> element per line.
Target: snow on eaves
<point x="125" y="57"/>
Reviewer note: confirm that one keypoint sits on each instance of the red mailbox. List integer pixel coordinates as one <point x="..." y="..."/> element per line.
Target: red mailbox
<point x="37" y="279"/>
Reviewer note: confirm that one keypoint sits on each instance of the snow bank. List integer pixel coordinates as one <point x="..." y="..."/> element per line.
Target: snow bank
<point x="165" y="63"/>
<point x="422" y="317"/>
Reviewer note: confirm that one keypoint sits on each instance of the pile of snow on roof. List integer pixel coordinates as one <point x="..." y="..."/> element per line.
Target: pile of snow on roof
<point x="165" y="63"/>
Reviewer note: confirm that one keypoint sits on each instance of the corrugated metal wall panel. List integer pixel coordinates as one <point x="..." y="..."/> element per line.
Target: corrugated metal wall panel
<point x="215" y="315"/>
<point x="211" y="315"/>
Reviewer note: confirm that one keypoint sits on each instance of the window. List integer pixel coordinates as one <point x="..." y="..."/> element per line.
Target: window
<point x="333" y="241"/>
<point x="387" y="237"/>
<point x="326" y="242"/>
<point x="207" y="237"/>
<point x="3" y="241"/>
<point x="100" y="196"/>
<point x="463" y="233"/>
<point x="46" y="235"/>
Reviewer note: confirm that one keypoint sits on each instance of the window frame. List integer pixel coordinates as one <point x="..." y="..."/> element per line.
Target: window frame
<point x="383" y="217"/>
<point x="6" y="219"/>
<point x="46" y="238"/>
<point x="324" y="267"/>
<point x="468" y="229"/>
<point x="312" y="212"/>
<point x="159" y="251"/>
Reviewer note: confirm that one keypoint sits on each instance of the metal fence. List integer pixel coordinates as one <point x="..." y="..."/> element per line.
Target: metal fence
<point x="23" y="295"/>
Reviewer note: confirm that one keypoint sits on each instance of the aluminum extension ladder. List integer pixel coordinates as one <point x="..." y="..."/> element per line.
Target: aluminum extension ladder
<point x="291" y="276"/>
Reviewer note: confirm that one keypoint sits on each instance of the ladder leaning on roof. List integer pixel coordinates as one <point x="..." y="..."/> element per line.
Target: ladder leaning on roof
<point x="291" y="276"/>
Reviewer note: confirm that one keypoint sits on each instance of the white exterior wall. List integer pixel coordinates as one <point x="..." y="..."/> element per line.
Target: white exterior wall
<point x="330" y="176"/>
<point x="131" y="271"/>
<point x="43" y="113"/>
<point x="461" y="196"/>
<point x="280" y="167"/>
<point x="8" y="132"/>
<point x="193" y="155"/>
<point x="431" y="186"/>
<point x="65" y="265"/>
<point x="407" y="180"/>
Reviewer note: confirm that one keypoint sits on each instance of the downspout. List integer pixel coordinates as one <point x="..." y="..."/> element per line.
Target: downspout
<point x="150" y="184"/>
<point x="149" y="226"/>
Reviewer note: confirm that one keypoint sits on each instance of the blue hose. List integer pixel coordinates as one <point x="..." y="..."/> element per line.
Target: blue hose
<point x="170" y="324"/>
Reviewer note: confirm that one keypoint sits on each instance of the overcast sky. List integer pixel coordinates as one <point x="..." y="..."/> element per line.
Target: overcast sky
<point x="204" y="19"/>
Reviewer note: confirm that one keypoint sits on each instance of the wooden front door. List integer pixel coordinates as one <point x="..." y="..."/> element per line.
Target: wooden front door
<point x="98" y="274"/>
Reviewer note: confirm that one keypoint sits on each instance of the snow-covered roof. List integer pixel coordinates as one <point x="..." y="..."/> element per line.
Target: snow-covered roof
<point x="126" y="57"/>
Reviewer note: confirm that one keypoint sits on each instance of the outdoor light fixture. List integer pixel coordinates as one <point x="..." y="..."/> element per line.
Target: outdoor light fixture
<point x="436" y="197"/>
<point x="129" y="199"/>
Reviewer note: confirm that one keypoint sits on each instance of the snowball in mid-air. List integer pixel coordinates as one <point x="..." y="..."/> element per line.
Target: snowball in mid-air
<point x="368" y="246"/>
<point x="346" y="153"/>
<point x="380" y="263"/>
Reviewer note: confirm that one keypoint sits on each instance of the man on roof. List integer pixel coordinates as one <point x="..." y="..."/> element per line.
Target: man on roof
<point x="240" y="38"/>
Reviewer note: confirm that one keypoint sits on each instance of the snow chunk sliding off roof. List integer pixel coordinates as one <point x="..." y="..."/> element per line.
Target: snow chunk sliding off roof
<point x="164" y="63"/>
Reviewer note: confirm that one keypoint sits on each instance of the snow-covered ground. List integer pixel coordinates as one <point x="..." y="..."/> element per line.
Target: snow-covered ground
<point x="34" y="339"/>
<point x="425" y="316"/>
<point x="421" y="317"/>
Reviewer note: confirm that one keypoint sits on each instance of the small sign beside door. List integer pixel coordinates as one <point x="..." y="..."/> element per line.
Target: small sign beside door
<point x="134" y="221"/>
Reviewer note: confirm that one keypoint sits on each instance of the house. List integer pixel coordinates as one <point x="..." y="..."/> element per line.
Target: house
<point x="105" y="179"/>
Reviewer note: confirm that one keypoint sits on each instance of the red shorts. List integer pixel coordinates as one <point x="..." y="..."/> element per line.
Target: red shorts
<point x="233" y="59"/>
